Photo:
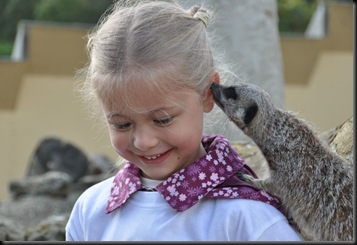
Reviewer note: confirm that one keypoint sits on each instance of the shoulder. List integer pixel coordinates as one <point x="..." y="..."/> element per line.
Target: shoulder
<point x="251" y="209"/>
<point x="256" y="220"/>
<point x="266" y="222"/>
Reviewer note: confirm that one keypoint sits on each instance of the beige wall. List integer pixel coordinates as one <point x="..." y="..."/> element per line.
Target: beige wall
<point x="319" y="72"/>
<point x="327" y="99"/>
<point x="37" y="98"/>
<point x="6" y="151"/>
<point x="10" y="81"/>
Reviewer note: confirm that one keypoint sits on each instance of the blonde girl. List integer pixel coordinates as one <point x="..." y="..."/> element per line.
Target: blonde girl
<point x="150" y="70"/>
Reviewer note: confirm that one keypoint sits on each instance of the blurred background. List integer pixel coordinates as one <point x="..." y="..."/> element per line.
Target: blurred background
<point x="42" y="45"/>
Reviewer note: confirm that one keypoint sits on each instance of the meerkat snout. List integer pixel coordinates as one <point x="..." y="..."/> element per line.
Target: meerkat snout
<point x="216" y="93"/>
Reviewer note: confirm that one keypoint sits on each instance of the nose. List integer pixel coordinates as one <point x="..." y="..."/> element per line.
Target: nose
<point x="144" y="139"/>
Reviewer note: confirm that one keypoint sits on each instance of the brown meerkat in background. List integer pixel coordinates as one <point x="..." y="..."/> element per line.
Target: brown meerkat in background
<point x="314" y="183"/>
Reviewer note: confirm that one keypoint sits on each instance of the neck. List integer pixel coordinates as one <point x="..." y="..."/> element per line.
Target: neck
<point x="149" y="182"/>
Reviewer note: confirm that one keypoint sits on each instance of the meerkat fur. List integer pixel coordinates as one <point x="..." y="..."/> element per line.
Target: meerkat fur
<point x="314" y="183"/>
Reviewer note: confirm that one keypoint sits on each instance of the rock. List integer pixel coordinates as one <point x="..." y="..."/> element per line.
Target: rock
<point x="87" y="181"/>
<point x="29" y="211"/>
<point x="253" y="157"/>
<point x="100" y="164"/>
<point x="41" y="202"/>
<point x="53" y="154"/>
<point x="50" y="229"/>
<point x="341" y="139"/>
<point x="53" y="183"/>
<point x="10" y="230"/>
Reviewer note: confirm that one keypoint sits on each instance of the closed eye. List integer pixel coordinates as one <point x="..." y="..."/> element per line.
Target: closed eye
<point x="164" y="121"/>
<point x="121" y="126"/>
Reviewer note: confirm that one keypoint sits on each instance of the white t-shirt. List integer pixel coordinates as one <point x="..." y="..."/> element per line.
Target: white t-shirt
<point x="146" y="216"/>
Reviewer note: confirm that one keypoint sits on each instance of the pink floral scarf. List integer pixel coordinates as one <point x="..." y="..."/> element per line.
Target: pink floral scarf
<point x="211" y="176"/>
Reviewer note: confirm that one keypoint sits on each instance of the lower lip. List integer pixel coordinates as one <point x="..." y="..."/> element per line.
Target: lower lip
<point x="158" y="160"/>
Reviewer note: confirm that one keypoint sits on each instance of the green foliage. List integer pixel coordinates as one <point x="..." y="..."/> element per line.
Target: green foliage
<point x="12" y="11"/>
<point x="84" y="11"/>
<point x="6" y="48"/>
<point x="294" y="15"/>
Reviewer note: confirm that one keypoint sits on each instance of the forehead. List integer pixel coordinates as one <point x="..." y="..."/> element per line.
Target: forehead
<point x="142" y="97"/>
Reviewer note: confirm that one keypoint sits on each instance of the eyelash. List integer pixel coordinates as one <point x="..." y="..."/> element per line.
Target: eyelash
<point x="121" y="126"/>
<point x="162" y="122"/>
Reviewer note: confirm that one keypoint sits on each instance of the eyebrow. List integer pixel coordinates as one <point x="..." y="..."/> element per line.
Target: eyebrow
<point x="117" y="114"/>
<point x="113" y="115"/>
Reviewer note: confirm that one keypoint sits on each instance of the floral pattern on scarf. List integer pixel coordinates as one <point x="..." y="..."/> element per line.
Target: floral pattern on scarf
<point x="211" y="176"/>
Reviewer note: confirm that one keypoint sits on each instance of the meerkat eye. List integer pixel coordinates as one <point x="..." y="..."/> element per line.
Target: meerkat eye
<point x="250" y="113"/>
<point x="230" y="93"/>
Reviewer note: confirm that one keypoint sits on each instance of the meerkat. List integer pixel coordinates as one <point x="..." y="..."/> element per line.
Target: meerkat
<point x="314" y="183"/>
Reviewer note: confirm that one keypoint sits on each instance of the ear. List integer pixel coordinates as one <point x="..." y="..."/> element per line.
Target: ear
<point x="208" y="102"/>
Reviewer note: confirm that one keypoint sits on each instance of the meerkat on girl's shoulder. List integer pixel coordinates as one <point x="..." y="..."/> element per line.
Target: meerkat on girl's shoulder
<point x="314" y="183"/>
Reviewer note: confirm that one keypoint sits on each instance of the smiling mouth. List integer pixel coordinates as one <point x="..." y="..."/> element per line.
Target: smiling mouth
<point x="156" y="159"/>
<point x="152" y="157"/>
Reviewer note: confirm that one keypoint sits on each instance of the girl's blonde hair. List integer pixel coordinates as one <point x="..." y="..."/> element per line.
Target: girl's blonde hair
<point x="150" y="42"/>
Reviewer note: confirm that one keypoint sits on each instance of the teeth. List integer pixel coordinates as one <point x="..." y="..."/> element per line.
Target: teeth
<point x="152" y="157"/>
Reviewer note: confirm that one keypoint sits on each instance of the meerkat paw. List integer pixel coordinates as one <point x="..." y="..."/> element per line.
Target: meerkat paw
<point x="251" y="180"/>
<point x="246" y="177"/>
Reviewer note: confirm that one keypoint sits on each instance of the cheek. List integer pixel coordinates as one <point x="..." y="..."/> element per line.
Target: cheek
<point x="119" y="142"/>
<point x="189" y="134"/>
<point x="190" y="126"/>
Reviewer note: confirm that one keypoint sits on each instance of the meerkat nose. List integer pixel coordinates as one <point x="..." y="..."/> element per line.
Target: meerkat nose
<point x="215" y="88"/>
<point x="214" y="85"/>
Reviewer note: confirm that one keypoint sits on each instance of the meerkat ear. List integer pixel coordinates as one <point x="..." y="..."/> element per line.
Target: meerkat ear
<point x="208" y="102"/>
